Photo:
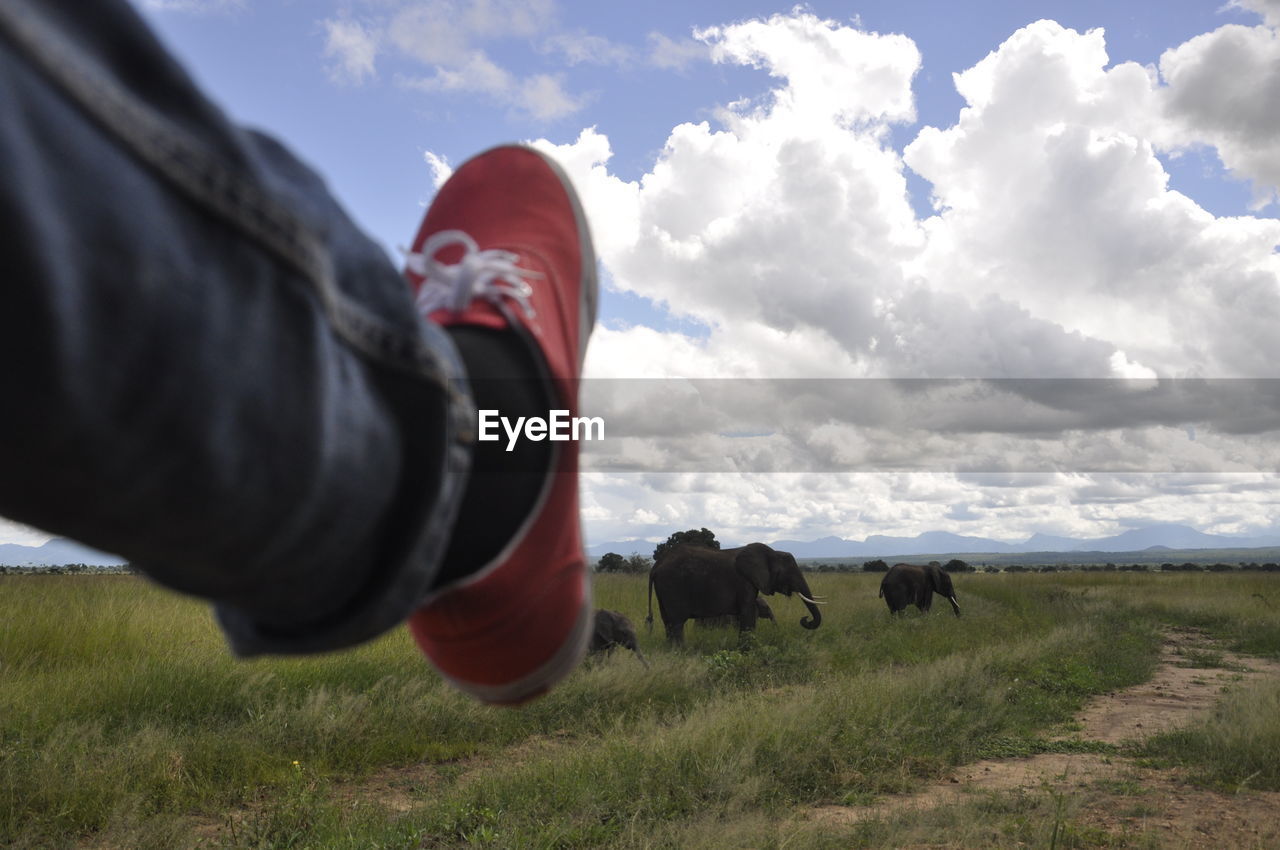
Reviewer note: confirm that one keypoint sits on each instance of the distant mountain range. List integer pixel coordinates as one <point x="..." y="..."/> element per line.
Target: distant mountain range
<point x="1166" y="536"/>
<point x="62" y="551"/>
<point x="57" y="552"/>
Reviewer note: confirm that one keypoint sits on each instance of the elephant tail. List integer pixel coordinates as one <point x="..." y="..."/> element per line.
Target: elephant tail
<point x="648" y="621"/>
<point x="880" y="595"/>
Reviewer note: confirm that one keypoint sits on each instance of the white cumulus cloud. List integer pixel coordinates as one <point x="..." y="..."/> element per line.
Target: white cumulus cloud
<point x="1050" y="193"/>
<point x="788" y="232"/>
<point x="1224" y="90"/>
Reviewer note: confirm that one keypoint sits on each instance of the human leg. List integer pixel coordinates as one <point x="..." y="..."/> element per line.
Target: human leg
<point x="221" y="378"/>
<point x="229" y="385"/>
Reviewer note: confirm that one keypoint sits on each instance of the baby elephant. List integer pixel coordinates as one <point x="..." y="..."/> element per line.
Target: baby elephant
<point x="910" y="584"/>
<point x="612" y="629"/>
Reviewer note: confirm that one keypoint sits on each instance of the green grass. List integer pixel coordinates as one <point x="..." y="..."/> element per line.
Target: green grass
<point x="125" y="722"/>
<point x="1235" y="748"/>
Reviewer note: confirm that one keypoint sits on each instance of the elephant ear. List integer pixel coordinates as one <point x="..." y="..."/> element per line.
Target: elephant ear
<point x="937" y="580"/>
<point x="752" y="563"/>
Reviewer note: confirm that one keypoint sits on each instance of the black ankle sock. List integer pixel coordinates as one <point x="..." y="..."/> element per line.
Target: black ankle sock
<point x="503" y="485"/>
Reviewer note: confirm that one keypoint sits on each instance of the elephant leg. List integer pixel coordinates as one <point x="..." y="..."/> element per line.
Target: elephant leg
<point x="675" y="632"/>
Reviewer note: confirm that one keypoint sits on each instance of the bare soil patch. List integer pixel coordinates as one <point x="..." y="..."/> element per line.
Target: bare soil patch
<point x="1115" y="795"/>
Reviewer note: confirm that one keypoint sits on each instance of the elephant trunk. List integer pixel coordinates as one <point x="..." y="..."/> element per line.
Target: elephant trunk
<point x="955" y="606"/>
<point x="815" y="616"/>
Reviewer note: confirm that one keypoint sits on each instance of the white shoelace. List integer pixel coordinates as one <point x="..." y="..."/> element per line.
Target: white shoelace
<point x="492" y="275"/>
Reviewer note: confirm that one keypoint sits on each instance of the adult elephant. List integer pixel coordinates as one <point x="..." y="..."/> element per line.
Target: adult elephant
<point x="613" y="629"/>
<point x="696" y="582"/>
<point x="907" y="584"/>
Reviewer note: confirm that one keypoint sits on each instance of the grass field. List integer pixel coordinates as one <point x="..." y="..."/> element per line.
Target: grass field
<point x="124" y="722"/>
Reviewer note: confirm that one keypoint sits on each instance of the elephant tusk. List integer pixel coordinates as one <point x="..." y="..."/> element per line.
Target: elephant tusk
<point x="810" y="601"/>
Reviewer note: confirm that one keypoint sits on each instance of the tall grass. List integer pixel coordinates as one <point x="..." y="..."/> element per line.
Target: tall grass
<point x="1242" y="608"/>
<point x="123" y="717"/>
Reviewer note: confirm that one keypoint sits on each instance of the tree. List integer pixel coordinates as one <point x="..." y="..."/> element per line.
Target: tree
<point x="694" y="536"/>
<point x="611" y="562"/>
<point x="638" y="563"/>
<point x="955" y="565"/>
<point x="876" y="566"/>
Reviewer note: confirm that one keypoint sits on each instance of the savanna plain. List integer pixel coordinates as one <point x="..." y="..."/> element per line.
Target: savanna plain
<point x="124" y="722"/>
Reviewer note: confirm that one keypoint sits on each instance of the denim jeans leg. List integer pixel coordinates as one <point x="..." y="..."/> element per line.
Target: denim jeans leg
<point x="207" y="367"/>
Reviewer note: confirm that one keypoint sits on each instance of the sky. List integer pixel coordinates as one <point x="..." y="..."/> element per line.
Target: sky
<point x="995" y="268"/>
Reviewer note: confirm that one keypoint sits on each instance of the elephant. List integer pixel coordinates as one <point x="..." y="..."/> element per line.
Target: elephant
<point x="905" y="584"/>
<point x="613" y="629"/>
<point x="696" y="582"/>
<point x="763" y="612"/>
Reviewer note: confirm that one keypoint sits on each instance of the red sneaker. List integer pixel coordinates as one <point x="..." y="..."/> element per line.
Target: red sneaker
<point x="505" y="245"/>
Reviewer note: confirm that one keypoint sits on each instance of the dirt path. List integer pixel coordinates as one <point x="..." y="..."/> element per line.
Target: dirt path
<point x="1183" y="687"/>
